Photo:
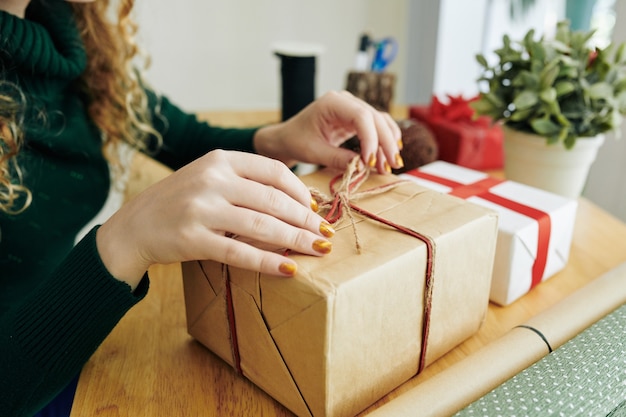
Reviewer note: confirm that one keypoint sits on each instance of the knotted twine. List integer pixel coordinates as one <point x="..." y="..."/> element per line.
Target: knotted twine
<point x="340" y="205"/>
<point x="344" y="192"/>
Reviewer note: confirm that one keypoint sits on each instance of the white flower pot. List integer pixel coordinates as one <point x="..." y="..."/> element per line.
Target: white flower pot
<point x="528" y="159"/>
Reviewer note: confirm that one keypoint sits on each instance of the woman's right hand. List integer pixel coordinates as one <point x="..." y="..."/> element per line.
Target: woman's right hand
<point x="188" y="215"/>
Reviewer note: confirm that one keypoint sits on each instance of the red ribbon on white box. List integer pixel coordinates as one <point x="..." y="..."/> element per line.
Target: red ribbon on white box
<point x="481" y="189"/>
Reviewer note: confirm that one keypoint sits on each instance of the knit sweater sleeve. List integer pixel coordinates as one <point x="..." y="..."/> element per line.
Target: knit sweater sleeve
<point x="186" y="138"/>
<point x="46" y="340"/>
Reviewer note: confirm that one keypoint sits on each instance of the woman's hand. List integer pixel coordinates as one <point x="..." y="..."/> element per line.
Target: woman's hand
<point x="190" y="214"/>
<point x="314" y="134"/>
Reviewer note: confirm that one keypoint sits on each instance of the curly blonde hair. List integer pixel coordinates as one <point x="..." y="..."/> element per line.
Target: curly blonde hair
<point x="116" y="100"/>
<point x="11" y="188"/>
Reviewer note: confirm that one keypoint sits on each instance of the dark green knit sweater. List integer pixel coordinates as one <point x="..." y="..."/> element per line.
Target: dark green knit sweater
<point x="57" y="301"/>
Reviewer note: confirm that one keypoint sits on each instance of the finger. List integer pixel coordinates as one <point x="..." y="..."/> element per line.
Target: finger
<point x="275" y="203"/>
<point x="264" y="228"/>
<point x="393" y="152"/>
<point x="375" y="130"/>
<point x="382" y="166"/>
<point x="333" y="157"/>
<point x="387" y="143"/>
<point x="270" y="172"/>
<point x="357" y="114"/>
<point x="243" y="255"/>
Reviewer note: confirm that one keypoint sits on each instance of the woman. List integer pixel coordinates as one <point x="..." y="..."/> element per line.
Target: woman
<point x="69" y="105"/>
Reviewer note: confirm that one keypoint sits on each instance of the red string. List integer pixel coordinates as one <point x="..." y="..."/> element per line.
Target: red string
<point x="230" y="315"/>
<point x="428" y="279"/>
<point x="336" y="209"/>
<point x="234" y="344"/>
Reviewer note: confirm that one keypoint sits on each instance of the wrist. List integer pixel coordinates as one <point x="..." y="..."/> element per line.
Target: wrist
<point x="118" y="261"/>
<point x="267" y="141"/>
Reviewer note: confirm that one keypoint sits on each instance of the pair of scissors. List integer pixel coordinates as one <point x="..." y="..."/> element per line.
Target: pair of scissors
<point x="385" y="52"/>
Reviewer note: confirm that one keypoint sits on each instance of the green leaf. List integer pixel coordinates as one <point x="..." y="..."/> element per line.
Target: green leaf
<point x="560" y="117"/>
<point x="570" y="141"/>
<point x="616" y="120"/>
<point x="549" y="73"/>
<point x="482" y="106"/>
<point x="525" y="100"/>
<point x="494" y="100"/>
<point x="544" y="127"/>
<point x="569" y="61"/>
<point x="620" y="85"/>
<point x="548" y="95"/>
<point x="564" y="87"/>
<point x="619" y="55"/>
<point x="482" y="61"/>
<point x="552" y="139"/>
<point x="528" y="39"/>
<point x="562" y="47"/>
<point x="537" y="54"/>
<point x="588" y="35"/>
<point x="578" y="43"/>
<point x="601" y="91"/>
<point x="562" y="31"/>
<point x="621" y="102"/>
<point x="521" y="115"/>
<point x="568" y="71"/>
<point x="526" y="80"/>
<point x="506" y="40"/>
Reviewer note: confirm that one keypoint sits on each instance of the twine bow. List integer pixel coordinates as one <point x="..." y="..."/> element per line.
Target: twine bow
<point x="340" y="204"/>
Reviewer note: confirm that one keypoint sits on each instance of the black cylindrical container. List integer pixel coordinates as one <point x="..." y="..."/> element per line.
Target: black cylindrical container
<point x="297" y="73"/>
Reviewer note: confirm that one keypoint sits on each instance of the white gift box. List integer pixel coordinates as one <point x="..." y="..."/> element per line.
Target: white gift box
<point x="535" y="227"/>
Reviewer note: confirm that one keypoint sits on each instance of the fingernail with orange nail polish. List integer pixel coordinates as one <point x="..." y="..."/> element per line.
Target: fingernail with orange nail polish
<point x="326" y="229"/>
<point x="314" y="206"/>
<point x="399" y="160"/>
<point x="400" y="144"/>
<point x="387" y="167"/>
<point x="372" y="161"/>
<point x="288" y="268"/>
<point x="322" y="246"/>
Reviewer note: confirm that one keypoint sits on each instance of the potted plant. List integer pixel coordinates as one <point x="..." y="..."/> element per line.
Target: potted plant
<point x="558" y="94"/>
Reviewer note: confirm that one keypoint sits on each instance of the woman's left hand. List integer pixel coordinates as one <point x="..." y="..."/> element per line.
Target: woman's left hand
<point x="315" y="134"/>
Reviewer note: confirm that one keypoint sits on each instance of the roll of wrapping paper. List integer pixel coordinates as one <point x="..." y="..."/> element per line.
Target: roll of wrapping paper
<point x="464" y="382"/>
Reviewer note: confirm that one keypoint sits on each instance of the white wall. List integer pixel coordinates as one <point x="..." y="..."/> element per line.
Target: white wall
<point x="216" y="54"/>
<point x="606" y="185"/>
<point x="467" y="28"/>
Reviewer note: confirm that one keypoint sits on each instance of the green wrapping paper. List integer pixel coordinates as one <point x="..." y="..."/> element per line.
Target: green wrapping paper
<point x="586" y="376"/>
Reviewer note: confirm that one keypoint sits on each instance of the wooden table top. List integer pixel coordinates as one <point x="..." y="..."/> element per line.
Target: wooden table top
<point x="150" y="366"/>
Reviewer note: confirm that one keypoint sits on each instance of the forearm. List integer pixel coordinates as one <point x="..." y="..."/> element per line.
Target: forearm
<point x="185" y="138"/>
<point x="45" y="340"/>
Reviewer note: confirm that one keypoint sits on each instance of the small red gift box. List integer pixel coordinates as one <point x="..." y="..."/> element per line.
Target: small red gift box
<point x="465" y="140"/>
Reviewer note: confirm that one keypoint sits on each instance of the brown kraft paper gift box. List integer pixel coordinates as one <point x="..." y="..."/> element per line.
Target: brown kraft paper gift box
<point x="348" y="328"/>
